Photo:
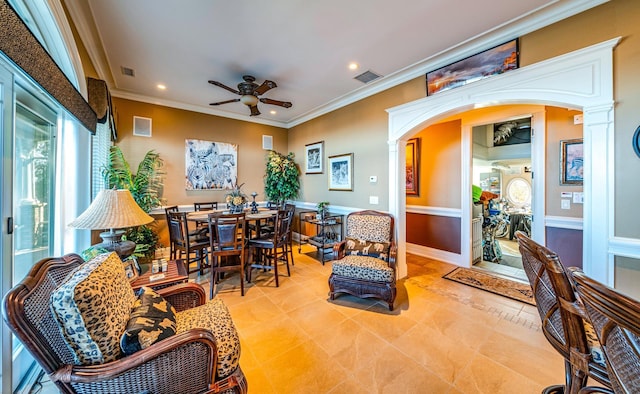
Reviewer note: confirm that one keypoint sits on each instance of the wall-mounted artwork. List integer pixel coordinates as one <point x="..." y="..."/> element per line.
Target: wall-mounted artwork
<point x="571" y="160"/>
<point x="341" y="172"/>
<point x="210" y="165"/>
<point x="314" y="158"/>
<point x="497" y="60"/>
<point x="413" y="167"/>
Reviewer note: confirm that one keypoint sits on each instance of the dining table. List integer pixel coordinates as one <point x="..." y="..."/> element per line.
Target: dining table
<point x="258" y="218"/>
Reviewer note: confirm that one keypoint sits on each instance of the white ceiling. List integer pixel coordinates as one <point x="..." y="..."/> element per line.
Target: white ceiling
<point x="304" y="46"/>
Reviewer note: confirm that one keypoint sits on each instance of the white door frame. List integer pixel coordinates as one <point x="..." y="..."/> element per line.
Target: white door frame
<point x="582" y="80"/>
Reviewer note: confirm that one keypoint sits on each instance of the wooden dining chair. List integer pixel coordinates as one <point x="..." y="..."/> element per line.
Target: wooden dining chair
<point x="227" y="246"/>
<point x="205" y="206"/>
<point x="191" y="248"/>
<point x="266" y="250"/>
<point x="616" y="319"/>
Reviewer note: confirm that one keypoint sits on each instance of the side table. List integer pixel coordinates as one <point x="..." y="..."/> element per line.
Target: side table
<point x="176" y="273"/>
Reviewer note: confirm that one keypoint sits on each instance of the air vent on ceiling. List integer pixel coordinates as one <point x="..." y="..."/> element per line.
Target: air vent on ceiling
<point x="367" y="76"/>
<point x="128" y="71"/>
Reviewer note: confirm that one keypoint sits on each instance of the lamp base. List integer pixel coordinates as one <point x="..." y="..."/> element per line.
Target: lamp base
<point x="112" y="241"/>
<point x="124" y="249"/>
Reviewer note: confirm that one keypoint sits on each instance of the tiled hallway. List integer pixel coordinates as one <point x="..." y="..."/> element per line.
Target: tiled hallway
<point x="442" y="337"/>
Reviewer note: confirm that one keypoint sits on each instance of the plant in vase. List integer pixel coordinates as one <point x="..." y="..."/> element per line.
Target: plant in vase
<point x="236" y="199"/>
<point x="145" y="187"/>
<point x="281" y="181"/>
<point x="322" y="209"/>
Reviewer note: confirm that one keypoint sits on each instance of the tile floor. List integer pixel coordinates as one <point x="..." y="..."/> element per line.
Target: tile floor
<point x="442" y="337"/>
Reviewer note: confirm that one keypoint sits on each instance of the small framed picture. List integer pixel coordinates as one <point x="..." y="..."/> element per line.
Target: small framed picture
<point x="413" y="167"/>
<point x="130" y="269"/>
<point x="341" y="172"/>
<point x="314" y="154"/>
<point x="571" y="162"/>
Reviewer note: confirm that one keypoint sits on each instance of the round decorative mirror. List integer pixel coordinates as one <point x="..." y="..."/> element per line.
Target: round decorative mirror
<point x="518" y="192"/>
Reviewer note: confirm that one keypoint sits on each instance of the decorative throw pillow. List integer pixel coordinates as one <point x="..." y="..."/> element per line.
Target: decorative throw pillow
<point x="92" y="307"/>
<point x="152" y="319"/>
<point x="361" y="247"/>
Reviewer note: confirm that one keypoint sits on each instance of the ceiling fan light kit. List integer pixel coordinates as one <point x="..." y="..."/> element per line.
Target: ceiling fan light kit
<point x="249" y="92"/>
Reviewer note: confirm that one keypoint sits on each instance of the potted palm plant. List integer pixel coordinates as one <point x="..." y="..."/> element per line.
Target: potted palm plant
<point x="144" y="186"/>
<point x="281" y="181"/>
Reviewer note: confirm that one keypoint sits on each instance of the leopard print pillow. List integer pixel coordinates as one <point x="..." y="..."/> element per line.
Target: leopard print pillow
<point x="152" y="319"/>
<point x="92" y="308"/>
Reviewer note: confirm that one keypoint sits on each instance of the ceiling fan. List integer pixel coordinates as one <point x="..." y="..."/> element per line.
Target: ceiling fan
<point x="249" y="92"/>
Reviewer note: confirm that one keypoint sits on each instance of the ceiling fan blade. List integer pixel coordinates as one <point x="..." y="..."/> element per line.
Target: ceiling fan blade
<point x="285" y="104"/>
<point x="218" y="84"/>
<point x="265" y="87"/>
<point x="225" y="102"/>
<point x="254" y="110"/>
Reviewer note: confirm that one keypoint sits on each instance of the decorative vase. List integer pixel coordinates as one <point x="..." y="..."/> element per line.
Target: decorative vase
<point x="235" y="209"/>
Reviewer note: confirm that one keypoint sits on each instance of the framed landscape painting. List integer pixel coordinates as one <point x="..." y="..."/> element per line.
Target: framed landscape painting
<point x="313" y="158"/>
<point x="413" y="167"/>
<point x="341" y="172"/>
<point x="496" y="60"/>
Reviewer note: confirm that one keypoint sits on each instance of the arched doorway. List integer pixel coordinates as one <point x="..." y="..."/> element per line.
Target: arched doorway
<point x="581" y="80"/>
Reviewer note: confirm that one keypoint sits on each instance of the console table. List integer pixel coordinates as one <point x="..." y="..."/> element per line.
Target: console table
<point x="328" y="232"/>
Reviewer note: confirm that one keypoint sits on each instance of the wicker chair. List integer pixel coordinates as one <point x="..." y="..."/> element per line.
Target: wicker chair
<point x="365" y="261"/>
<point x="616" y="319"/>
<point x="187" y="362"/>
<point x="564" y="323"/>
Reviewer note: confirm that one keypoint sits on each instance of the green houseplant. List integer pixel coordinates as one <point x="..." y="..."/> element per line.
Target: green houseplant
<point x="144" y="186"/>
<point x="281" y="179"/>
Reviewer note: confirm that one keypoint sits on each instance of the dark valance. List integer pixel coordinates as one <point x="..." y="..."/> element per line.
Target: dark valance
<point x="24" y="49"/>
<point x="100" y="101"/>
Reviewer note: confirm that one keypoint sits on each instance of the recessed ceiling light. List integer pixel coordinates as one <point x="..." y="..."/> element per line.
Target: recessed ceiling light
<point x="161" y="86"/>
<point x="272" y="112"/>
<point x="353" y="66"/>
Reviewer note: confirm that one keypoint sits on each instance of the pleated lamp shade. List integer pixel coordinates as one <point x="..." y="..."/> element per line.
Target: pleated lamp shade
<point x="112" y="209"/>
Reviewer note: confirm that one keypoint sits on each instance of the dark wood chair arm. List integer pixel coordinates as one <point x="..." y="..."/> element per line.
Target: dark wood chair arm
<point x="338" y="250"/>
<point x="595" y="389"/>
<point x="111" y="370"/>
<point x="393" y="253"/>
<point x="184" y="296"/>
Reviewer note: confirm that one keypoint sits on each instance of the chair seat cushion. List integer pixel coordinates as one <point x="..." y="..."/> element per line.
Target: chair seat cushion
<point x="361" y="247"/>
<point x="92" y="308"/>
<point x="215" y="317"/>
<point x="594" y="344"/>
<point x="365" y="268"/>
<point x="152" y="319"/>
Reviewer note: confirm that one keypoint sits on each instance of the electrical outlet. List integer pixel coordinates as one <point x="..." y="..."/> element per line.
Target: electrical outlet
<point x="373" y="200"/>
<point x="565" y="204"/>
<point x="578" y="197"/>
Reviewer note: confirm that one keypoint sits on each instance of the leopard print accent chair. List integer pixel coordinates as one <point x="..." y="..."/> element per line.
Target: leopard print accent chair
<point x="357" y="270"/>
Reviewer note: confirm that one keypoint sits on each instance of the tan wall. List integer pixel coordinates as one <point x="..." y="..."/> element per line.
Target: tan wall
<point x="617" y="18"/>
<point x="559" y="127"/>
<point x="440" y="166"/>
<point x="361" y="128"/>
<point x="170" y="128"/>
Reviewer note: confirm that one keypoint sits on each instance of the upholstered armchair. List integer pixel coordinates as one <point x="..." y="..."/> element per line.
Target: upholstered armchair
<point x="365" y="261"/>
<point x="74" y="316"/>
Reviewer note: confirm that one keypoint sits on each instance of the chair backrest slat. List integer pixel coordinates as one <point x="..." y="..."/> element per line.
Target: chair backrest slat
<point x="616" y="319"/>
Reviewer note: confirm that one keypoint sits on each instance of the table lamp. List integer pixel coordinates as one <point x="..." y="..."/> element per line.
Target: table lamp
<point x="113" y="209"/>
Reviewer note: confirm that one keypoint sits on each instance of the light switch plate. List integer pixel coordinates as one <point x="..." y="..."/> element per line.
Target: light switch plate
<point x="373" y="200"/>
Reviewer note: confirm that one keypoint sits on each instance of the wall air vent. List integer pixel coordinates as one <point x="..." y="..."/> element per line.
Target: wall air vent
<point x="367" y="76"/>
<point x="128" y="71"/>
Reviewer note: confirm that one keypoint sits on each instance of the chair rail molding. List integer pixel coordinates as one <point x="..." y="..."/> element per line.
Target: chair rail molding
<point x="583" y="80"/>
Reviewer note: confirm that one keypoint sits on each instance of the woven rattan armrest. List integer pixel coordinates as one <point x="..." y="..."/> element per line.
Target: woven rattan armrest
<point x="184" y="296"/>
<point x="111" y="370"/>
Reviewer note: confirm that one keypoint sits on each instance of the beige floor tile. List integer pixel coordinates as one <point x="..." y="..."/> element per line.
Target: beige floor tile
<point x="393" y="372"/>
<point x="485" y="376"/>
<point x="305" y="368"/>
<point x="316" y="317"/>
